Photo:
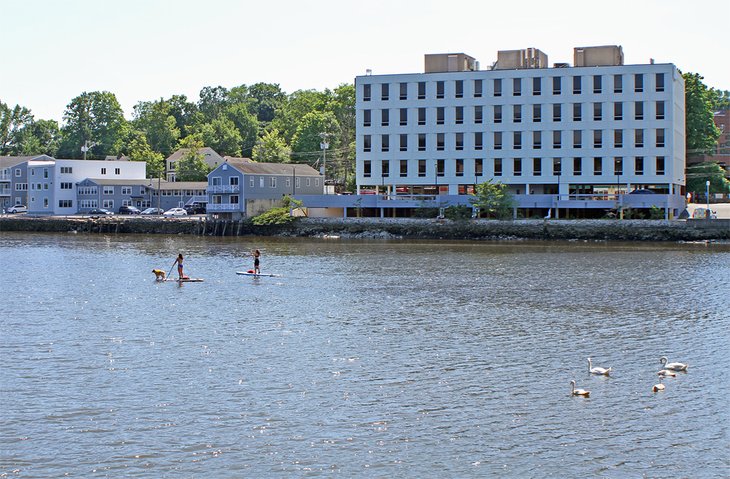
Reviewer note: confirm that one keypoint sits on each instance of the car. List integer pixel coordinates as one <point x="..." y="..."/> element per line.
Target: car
<point x="153" y="211"/>
<point x="196" y="209"/>
<point x="642" y="191"/>
<point x="18" y="209"/>
<point x="128" y="210"/>
<point x="99" y="211"/>
<point x="175" y="212"/>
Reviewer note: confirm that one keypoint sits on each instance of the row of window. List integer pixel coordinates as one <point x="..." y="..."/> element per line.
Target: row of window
<point x="576" y="85"/>
<point x="518" y="165"/>
<point x="233" y="181"/>
<point x="499" y="113"/>
<point x="457" y="142"/>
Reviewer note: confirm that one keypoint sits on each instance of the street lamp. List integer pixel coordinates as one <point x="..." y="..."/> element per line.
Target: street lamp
<point x="324" y="145"/>
<point x="707" y="184"/>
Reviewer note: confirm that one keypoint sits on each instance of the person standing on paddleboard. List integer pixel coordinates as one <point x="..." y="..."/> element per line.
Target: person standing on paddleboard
<point x="179" y="263"/>
<point x="256" y="256"/>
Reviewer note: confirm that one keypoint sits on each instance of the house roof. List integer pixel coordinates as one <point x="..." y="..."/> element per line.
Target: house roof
<point x="180" y="185"/>
<point x="237" y="159"/>
<point x="10" y="161"/>
<point x="209" y="154"/>
<point x="289" y="169"/>
<point x="116" y="158"/>
<point x="115" y="182"/>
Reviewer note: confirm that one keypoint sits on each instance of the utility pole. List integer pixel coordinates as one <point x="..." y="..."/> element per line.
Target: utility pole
<point x="324" y="145"/>
<point x="87" y="147"/>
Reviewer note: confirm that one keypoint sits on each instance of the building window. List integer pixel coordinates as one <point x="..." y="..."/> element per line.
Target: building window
<point x="117" y="171"/>
<point x="19" y="172"/>
<point x="421" y="168"/>
<point x="577" y="112"/>
<point x="497" y="113"/>
<point x="439" y="89"/>
<point x="366" y="118"/>
<point x="233" y="200"/>
<point x="557" y="167"/>
<point x="660" y="137"/>
<point x="660" y="82"/>
<point x="557" y="112"/>
<point x="517" y="170"/>
<point x="557" y="139"/>
<point x="478" y="167"/>
<point x="576" y="85"/>
<point x="385" y="168"/>
<point x="639" y="165"/>
<point x="477" y="88"/>
<point x="108" y="190"/>
<point x="384" y="92"/>
<point x="403" y="116"/>
<point x="421" y="142"/>
<point x="517" y="87"/>
<point x="639" y="138"/>
<point x="556" y="85"/>
<point x="536" y="113"/>
<point x="618" y="138"/>
<point x="126" y="190"/>
<point x="459" y="141"/>
<point x="497" y="167"/>
<point x="459" y="111"/>
<point x="618" y="166"/>
<point x="597" y="138"/>
<point x="639" y="110"/>
<point x="478" y="114"/>
<point x="288" y="182"/>
<point x="459" y="167"/>
<point x="403" y="142"/>
<point x="126" y="202"/>
<point x="497" y="140"/>
<point x="638" y="82"/>
<point x="421" y="90"/>
<point x="403" y="91"/>
<point x="65" y="203"/>
<point x="536" y="140"/>
<point x="577" y="166"/>
<point x="618" y="84"/>
<point x="103" y="171"/>
<point x="421" y="116"/>
<point x="252" y="182"/>
<point x="618" y="111"/>
<point x="537" y="86"/>
<point x="366" y="92"/>
<point x="440" y="167"/>
<point x="597" y="84"/>
<point x="297" y="182"/>
<point x="366" y="143"/>
<point x="440" y="114"/>
<point x="108" y="204"/>
<point x="597" y="112"/>
<point x="385" y="143"/>
<point x="497" y="87"/>
<point x="660" y="110"/>
<point x="459" y="89"/>
<point x="66" y="170"/>
<point x="660" y="165"/>
<point x="517" y="113"/>
<point x="233" y="181"/>
<point x="366" y="169"/>
<point x="597" y="166"/>
<point x="577" y="139"/>
<point x="403" y="168"/>
<point x="384" y="117"/>
<point x="66" y="186"/>
<point x="478" y="140"/>
<point x="537" y="167"/>
<point x="517" y="140"/>
<point x="440" y="141"/>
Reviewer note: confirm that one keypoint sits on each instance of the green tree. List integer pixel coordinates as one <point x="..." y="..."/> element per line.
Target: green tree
<point x="155" y="119"/>
<point x="698" y="175"/>
<point x="265" y="100"/>
<point x="12" y="122"/>
<point x="720" y="100"/>
<point x="292" y="112"/>
<point x="221" y="135"/>
<point x="701" y="132"/>
<point x="186" y="113"/>
<point x="279" y="215"/>
<point x="493" y="198"/>
<point x="247" y="126"/>
<point x="191" y="166"/>
<point x="307" y="139"/>
<point x="40" y="137"/>
<point x="93" y="117"/>
<point x="213" y="102"/>
<point x="135" y="147"/>
<point x="271" y="148"/>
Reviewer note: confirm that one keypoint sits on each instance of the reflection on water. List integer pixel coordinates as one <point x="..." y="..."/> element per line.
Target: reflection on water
<point x="373" y="359"/>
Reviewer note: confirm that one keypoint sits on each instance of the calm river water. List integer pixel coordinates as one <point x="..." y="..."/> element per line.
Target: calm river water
<point x="364" y="359"/>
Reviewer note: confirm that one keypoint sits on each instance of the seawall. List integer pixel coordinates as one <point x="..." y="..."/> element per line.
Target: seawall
<point x="386" y="228"/>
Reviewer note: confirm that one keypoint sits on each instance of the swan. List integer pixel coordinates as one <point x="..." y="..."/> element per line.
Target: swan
<point x="578" y="392"/>
<point x="658" y="387"/>
<point x="667" y="373"/>
<point x="673" y="366"/>
<point x="597" y="370"/>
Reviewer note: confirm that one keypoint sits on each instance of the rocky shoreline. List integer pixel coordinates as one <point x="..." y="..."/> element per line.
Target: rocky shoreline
<point x="386" y="228"/>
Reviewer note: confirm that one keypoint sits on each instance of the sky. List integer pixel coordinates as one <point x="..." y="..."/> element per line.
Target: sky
<point x="143" y="50"/>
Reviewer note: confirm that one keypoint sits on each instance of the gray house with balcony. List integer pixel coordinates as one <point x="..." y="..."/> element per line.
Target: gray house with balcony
<point x="111" y="194"/>
<point x="239" y="189"/>
<point x="14" y="179"/>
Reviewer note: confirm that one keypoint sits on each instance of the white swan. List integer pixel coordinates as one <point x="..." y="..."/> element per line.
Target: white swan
<point x="673" y="366"/>
<point x="597" y="370"/>
<point x="578" y="392"/>
<point x="667" y="373"/>
<point x="658" y="387"/>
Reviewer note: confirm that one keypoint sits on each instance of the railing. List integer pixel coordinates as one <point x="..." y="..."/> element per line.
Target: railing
<point x="5" y="191"/>
<point x="223" y="189"/>
<point x="224" y="207"/>
<point x="5" y="177"/>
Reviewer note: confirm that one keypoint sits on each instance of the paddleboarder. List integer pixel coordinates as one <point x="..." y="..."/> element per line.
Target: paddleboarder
<point x="179" y="263"/>
<point x="256" y="256"/>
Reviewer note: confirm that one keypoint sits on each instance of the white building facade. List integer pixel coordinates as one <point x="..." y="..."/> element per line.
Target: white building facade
<point x="566" y="137"/>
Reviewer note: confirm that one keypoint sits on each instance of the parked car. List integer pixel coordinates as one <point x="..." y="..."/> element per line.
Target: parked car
<point x="175" y="212"/>
<point x="18" y="209"/>
<point x="128" y="210"/>
<point x="196" y="209"/>
<point x="153" y="211"/>
<point x="99" y="211"/>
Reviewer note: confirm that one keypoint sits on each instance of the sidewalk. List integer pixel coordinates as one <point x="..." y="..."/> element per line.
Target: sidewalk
<point x="722" y="209"/>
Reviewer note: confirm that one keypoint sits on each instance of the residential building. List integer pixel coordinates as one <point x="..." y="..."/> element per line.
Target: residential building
<point x="209" y="155"/>
<point x="564" y="138"/>
<point x="721" y="152"/>
<point x="14" y="179"/>
<point x="239" y="188"/>
<point x="112" y="194"/>
<point x="176" y="194"/>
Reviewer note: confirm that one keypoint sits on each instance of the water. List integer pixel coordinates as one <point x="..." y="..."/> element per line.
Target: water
<point x="364" y="359"/>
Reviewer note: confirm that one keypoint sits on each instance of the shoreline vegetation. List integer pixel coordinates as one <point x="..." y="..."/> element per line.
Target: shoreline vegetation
<point x="386" y="228"/>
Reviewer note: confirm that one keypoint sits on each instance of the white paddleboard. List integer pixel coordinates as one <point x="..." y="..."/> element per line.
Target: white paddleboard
<point x="256" y="275"/>
<point x="186" y="280"/>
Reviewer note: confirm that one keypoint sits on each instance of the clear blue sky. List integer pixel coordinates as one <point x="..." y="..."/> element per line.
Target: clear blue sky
<point x="54" y="50"/>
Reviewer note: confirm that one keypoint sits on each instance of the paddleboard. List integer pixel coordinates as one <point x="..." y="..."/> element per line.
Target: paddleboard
<point x="186" y="280"/>
<point x="246" y="273"/>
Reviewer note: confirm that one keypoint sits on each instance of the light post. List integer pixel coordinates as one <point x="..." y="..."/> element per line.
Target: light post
<point x="707" y="184"/>
<point x="324" y="145"/>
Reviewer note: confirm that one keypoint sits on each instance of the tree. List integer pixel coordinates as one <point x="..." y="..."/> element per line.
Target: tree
<point x="213" y="102"/>
<point x="280" y="215"/>
<point x="221" y="135"/>
<point x="307" y="139"/>
<point x="291" y="113"/>
<point x="135" y="147"/>
<point x="94" y="117"/>
<point x="40" y="137"/>
<point x="155" y="119"/>
<point x="493" y="198"/>
<point x="265" y="99"/>
<point x="247" y="126"/>
<point x="12" y="121"/>
<point x="271" y="148"/>
<point x="191" y="166"/>
<point x="698" y="175"/>
<point x="186" y="113"/>
<point x="701" y="132"/>
<point x="720" y="99"/>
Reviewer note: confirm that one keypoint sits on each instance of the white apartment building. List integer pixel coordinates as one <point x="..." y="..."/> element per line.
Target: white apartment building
<point x="53" y="184"/>
<point x="561" y="138"/>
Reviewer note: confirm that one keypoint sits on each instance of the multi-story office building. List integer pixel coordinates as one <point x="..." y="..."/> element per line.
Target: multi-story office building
<point x="568" y="137"/>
